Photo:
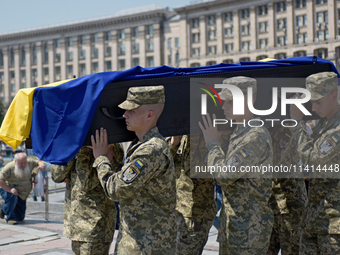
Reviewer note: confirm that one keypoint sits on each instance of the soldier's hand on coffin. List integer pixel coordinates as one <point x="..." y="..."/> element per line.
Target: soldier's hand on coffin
<point x="295" y="112"/>
<point x="175" y="140"/>
<point x="100" y="145"/>
<point x="210" y="132"/>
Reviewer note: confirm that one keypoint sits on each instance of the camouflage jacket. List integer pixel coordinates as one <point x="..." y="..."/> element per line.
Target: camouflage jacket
<point x="289" y="193"/>
<point x="24" y="187"/>
<point x="195" y="196"/>
<point x="323" y="148"/>
<point x="90" y="216"/>
<point x="246" y="218"/>
<point x="146" y="190"/>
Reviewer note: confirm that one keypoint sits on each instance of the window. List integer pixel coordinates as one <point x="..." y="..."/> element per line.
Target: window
<point x="108" y="36"/>
<point x="228" y="17"/>
<point x="135" y="32"/>
<point x="82" y="69"/>
<point x="177" y="58"/>
<point x="57" y="70"/>
<point x="196" y="52"/>
<point x="150" y="45"/>
<point x="57" y="43"/>
<point x="281" y="23"/>
<point x="46" y="71"/>
<point x="70" y="69"/>
<point x="95" y="53"/>
<point x="2" y="88"/>
<point x="228" y="61"/>
<point x="57" y="57"/>
<point x="177" y="42"/>
<point x="35" y="84"/>
<point x="305" y="20"/>
<point x="195" y="65"/>
<point x="149" y="61"/>
<point x="212" y="50"/>
<point x="23" y="55"/>
<point x="108" y="51"/>
<point x="211" y="20"/>
<point x="69" y="41"/>
<point x="244" y="59"/>
<point x="169" y="44"/>
<point x="301" y="53"/>
<point x="12" y="57"/>
<point x="149" y="30"/>
<point x="135" y="48"/>
<point x="245" y="13"/>
<point x="263" y="27"/>
<point x="196" y="37"/>
<point x="322" y="17"/>
<point x="246" y="29"/>
<point x="1" y="76"/>
<point x="23" y="73"/>
<point x="301" y="3"/>
<point x="261" y="57"/>
<point x="108" y="66"/>
<point x="169" y="60"/>
<point x="82" y="40"/>
<point x="95" y="38"/>
<point x="1" y="58"/>
<point x="321" y="53"/>
<point x="12" y="87"/>
<point x="246" y="45"/>
<point x="212" y="35"/>
<point x="70" y="55"/>
<point x="94" y="67"/>
<point x="135" y="61"/>
<point x="281" y="7"/>
<point x="12" y="74"/>
<point x="229" y="32"/>
<point x="34" y="72"/>
<point x="82" y="54"/>
<point x="229" y="47"/>
<point x="45" y="53"/>
<point x="23" y="85"/>
<point x="210" y="63"/>
<point x="122" y="49"/>
<point x="121" y="64"/>
<point x="195" y="22"/>
<point x="263" y="10"/>
<point x="301" y="38"/>
<point x="299" y="21"/>
<point x="321" y="1"/>
<point x="280" y="56"/>
<point x="264" y="43"/>
<point x="281" y="41"/>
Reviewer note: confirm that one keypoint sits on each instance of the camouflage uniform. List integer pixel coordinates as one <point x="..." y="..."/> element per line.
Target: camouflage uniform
<point x="321" y="228"/>
<point x="246" y="218"/>
<point x="195" y="197"/>
<point x="145" y="187"/>
<point x="289" y="196"/>
<point x="90" y="216"/>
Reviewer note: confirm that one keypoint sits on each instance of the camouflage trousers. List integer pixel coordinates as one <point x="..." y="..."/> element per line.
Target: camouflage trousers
<point x="313" y="244"/>
<point x="227" y="250"/>
<point x="192" y="235"/>
<point x="90" y="248"/>
<point x="286" y="234"/>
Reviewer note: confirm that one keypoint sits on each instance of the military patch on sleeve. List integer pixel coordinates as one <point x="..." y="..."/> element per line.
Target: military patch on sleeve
<point x="327" y="145"/>
<point x="244" y="153"/>
<point x="130" y="173"/>
<point x="139" y="164"/>
<point x="234" y="161"/>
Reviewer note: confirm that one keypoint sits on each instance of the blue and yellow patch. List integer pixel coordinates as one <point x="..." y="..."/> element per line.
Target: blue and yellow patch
<point x="139" y="164"/>
<point x="335" y="138"/>
<point x="244" y="153"/>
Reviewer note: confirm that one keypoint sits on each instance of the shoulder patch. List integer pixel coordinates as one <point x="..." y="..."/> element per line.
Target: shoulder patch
<point x="130" y="173"/>
<point x="327" y="145"/>
<point x="234" y="161"/>
<point x="244" y="153"/>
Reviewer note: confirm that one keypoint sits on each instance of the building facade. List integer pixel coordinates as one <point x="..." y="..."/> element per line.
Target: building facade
<point x="200" y="34"/>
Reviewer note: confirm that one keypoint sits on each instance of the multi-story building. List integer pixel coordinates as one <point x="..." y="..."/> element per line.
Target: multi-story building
<point x="199" y="34"/>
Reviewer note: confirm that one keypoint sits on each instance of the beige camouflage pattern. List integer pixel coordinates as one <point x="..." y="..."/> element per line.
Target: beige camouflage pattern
<point x="138" y="96"/>
<point x="90" y="248"/>
<point x="146" y="190"/>
<point x="289" y="196"/>
<point x="89" y="215"/>
<point x="24" y="187"/>
<point x="227" y="250"/>
<point x="320" y="84"/>
<point x="242" y="83"/>
<point x="194" y="196"/>
<point x="323" y="205"/>
<point x="246" y="218"/>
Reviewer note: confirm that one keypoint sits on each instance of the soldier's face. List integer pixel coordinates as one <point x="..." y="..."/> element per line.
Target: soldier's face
<point x="21" y="163"/>
<point x="135" y="119"/>
<point x="324" y="105"/>
<point x="228" y="109"/>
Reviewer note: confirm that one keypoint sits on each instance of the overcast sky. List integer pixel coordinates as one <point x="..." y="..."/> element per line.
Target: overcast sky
<point x="25" y="14"/>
